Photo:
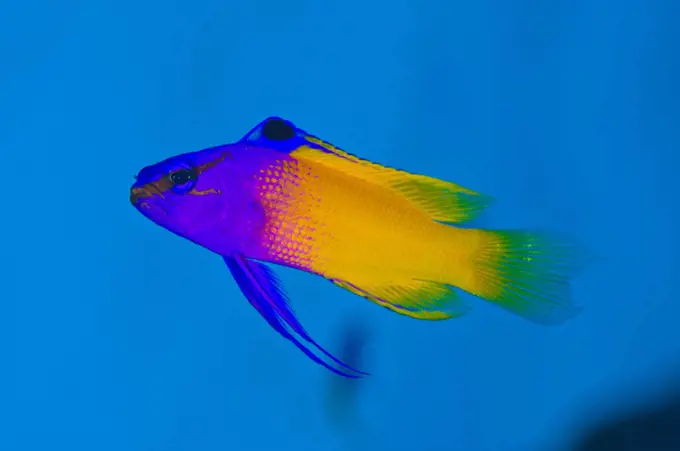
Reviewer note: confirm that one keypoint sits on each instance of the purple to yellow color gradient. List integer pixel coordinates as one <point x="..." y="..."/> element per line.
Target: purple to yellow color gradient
<point x="285" y="197"/>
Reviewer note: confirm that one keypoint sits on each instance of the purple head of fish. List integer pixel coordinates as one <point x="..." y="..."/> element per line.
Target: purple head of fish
<point x="202" y="196"/>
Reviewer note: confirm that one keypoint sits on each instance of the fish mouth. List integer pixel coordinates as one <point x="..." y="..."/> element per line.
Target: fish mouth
<point x="138" y="194"/>
<point x="148" y="200"/>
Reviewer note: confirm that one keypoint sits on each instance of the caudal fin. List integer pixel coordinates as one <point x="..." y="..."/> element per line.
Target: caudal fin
<point x="527" y="273"/>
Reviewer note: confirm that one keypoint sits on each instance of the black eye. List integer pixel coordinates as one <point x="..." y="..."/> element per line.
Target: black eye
<point x="183" y="181"/>
<point x="183" y="176"/>
<point x="278" y="130"/>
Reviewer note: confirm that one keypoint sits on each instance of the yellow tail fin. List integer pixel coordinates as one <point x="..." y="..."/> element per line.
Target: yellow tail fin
<point x="526" y="273"/>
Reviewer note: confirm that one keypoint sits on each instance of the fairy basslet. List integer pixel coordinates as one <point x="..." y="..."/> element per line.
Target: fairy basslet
<point x="285" y="197"/>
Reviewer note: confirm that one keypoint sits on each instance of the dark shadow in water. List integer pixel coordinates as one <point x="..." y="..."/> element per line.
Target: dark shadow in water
<point x="652" y="428"/>
<point x="342" y="394"/>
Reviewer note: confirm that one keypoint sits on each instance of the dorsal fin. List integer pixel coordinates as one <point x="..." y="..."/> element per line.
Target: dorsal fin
<point x="275" y="133"/>
<point x="442" y="201"/>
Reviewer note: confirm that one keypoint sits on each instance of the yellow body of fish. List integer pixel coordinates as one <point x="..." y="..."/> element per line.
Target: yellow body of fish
<point x="385" y="234"/>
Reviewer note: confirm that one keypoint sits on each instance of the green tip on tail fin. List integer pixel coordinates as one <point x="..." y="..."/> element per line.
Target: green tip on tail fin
<point x="528" y="273"/>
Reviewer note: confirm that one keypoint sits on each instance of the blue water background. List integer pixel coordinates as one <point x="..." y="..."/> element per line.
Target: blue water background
<point x="117" y="335"/>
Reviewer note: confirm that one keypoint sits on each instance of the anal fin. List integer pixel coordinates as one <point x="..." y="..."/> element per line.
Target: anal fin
<point x="414" y="298"/>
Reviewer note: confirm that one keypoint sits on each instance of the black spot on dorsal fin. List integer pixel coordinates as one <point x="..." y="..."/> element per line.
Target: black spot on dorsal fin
<point x="278" y="130"/>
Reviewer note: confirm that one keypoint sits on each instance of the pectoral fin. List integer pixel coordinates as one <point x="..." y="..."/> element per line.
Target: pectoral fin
<point x="263" y="290"/>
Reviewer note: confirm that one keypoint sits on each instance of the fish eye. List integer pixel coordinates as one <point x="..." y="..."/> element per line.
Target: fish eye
<point x="278" y="130"/>
<point x="183" y="180"/>
<point x="182" y="176"/>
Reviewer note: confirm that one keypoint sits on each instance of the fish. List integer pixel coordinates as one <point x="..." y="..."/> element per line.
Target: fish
<point x="280" y="196"/>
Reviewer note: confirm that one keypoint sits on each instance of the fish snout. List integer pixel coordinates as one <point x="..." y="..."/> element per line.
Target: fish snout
<point x="137" y="194"/>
